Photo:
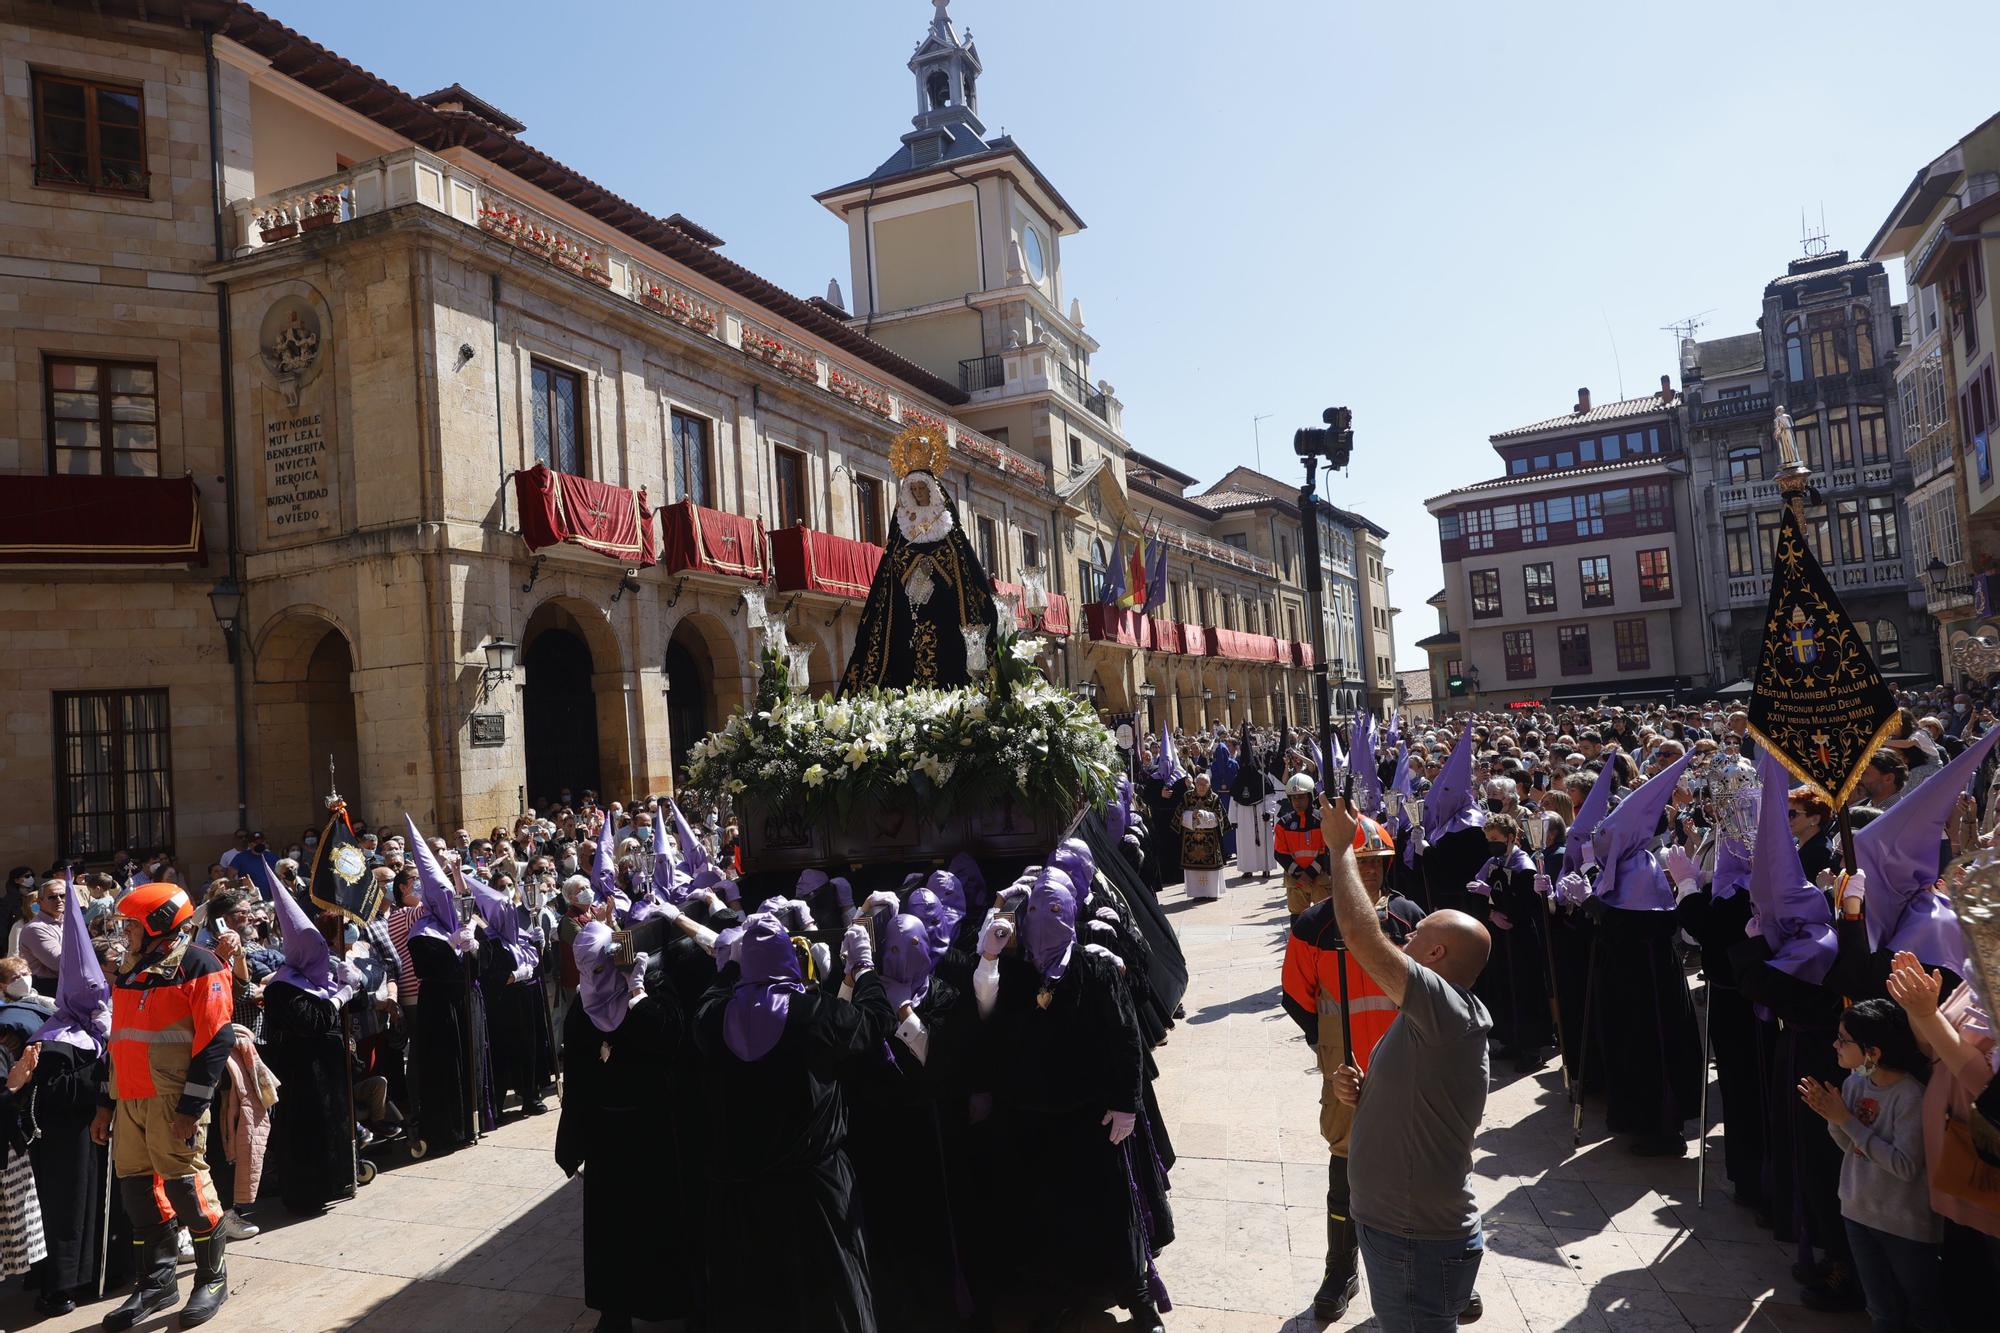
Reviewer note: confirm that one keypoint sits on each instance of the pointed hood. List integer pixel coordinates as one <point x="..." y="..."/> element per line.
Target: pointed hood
<point x="1450" y="805"/>
<point x="694" y="857"/>
<point x="1632" y="880"/>
<point x="604" y="870"/>
<point x="1048" y="925"/>
<point x="1367" y="774"/>
<point x="906" y="963"/>
<point x="503" y="921"/>
<point x="753" y="1018"/>
<point x="603" y="987"/>
<point x="1900" y="850"/>
<point x="1335" y="756"/>
<point x="1392" y="735"/>
<point x="1072" y="856"/>
<point x="308" y="962"/>
<point x="438" y="917"/>
<point x="83" y="998"/>
<point x="1588" y="816"/>
<point x="669" y="879"/>
<point x="973" y="879"/>
<point x="950" y="893"/>
<point x="1117" y="811"/>
<point x="925" y="907"/>
<point x="1792" y="913"/>
<point x="1167" y="766"/>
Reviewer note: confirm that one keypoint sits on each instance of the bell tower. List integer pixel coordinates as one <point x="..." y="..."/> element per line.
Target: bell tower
<point x="947" y="72"/>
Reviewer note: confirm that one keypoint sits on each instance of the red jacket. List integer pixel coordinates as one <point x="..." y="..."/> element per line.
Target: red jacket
<point x="171" y="1035"/>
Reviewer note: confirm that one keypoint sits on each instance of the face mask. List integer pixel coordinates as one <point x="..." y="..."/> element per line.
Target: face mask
<point x="1495" y="804"/>
<point x="1958" y="708"/>
<point x="569" y="865"/>
<point x="20" y="988"/>
<point x="312" y="840"/>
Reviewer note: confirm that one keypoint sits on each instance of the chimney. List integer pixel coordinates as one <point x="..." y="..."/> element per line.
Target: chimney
<point x="1666" y="388"/>
<point x="1582" y="401"/>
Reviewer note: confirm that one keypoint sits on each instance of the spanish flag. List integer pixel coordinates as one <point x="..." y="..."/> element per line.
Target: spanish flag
<point x="1820" y="706"/>
<point x="1135" y="578"/>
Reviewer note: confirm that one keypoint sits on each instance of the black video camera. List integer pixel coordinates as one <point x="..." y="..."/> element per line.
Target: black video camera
<point x="1333" y="442"/>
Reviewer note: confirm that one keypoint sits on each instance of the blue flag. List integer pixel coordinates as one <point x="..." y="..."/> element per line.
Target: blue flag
<point x="1111" y="585"/>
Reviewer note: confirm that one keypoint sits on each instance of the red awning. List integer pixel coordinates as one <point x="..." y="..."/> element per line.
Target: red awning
<point x="708" y="541"/>
<point x="1194" y="639"/>
<point x="610" y="520"/>
<point x="809" y="561"/>
<point x="1056" y="619"/>
<point x="1107" y="624"/>
<point x="1165" y="635"/>
<point x="76" y="520"/>
<point x="1242" y="647"/>
<point x="1302" y="653"/>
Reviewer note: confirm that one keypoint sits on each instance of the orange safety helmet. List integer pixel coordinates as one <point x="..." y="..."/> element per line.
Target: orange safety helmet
<point x="160" y="908"/>
<point x="1371" y="839"/>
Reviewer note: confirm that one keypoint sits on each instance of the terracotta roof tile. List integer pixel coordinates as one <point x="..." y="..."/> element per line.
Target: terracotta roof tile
<point x="1618" y="411"/>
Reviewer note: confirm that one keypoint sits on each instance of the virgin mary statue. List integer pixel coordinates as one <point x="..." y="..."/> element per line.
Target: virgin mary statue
<point x="929" y="617"/>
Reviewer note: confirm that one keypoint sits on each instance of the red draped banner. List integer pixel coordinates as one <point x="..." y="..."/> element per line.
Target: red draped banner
<point x="610" y="520"/>
<point x="708" y="541"/>
<point x="809" y="561"/>
<point x="83" y="520"/>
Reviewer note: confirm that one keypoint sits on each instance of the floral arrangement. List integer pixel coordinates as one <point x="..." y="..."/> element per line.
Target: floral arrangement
<point x="552" y="246"/>
<point x="857" y="391"/>
<point x="678" y="307"/>
<point x="766" y="348"/>
<point x="952" y="751"/>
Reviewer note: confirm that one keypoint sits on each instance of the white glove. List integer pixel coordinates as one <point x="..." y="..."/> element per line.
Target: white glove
<point x="880" y="899"/>
<point x="822" y="955"/>
<point x="668" y="911"/>
<point x="1010" y="900"/>
<point x="1680" y="868"/>
<point x="522" y="974"/>
<point x="1107" y="914"/>
<point x="1107" y="956"/>
<point x="1098" y="927"/>
<point x="1121" y="1123"/>
<point x="855" y="950"/>
<point x="463" y="941"/>
<point x="1543" y="885"/>
<point x="993" y="936"/>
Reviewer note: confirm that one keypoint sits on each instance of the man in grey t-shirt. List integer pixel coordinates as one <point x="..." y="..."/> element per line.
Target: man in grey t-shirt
<point x="1410" y="1154"/>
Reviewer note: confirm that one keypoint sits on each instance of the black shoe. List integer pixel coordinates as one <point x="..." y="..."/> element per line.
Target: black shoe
<point x="157" y="1253"/>
<point x="535" y="1107"/>
<point x="614" y="1321"/>
<point x="211" y="1279"/>
<point x="1806" y="1272"/>
<point x="1530" y="1058"/>
<point x="1658" y="1145"/>
<point x="1837" y="1291"/>
<point x="1331" y="1300"/>
<point x="1473" y="1309"/>
<point x="1145" y="1317"/>
<point x="50" y="1304"/>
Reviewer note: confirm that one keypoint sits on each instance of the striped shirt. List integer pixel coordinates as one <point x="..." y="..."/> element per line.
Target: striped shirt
<point x="401" y="922"/>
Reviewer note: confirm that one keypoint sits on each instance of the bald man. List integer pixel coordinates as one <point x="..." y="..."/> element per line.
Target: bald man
<point x="1410" y="1151"/>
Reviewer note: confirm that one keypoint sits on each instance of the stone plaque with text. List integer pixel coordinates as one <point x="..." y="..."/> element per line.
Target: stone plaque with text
<point x="297" y="494"/>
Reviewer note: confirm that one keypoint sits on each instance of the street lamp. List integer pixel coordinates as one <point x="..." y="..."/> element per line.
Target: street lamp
<point x="500" y="657"/>
<point x="1207" y="694"/>
<point x="1935" y="574"/>
<point x="1232" y="696"/>
<point x="227" y="601"/>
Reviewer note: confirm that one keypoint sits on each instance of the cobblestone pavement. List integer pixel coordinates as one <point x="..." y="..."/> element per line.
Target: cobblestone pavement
<point x="489" y="1239"/>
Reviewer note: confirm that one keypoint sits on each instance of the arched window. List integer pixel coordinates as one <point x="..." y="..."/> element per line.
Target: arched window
<point x="939" y="86"/>
<point x="1795" y="352"/>
<point x="1882" y="641"/>
<point x="1864" y="341"/>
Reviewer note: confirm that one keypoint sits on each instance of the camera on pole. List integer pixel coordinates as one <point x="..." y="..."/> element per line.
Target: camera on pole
<point x="1334" y="441"/>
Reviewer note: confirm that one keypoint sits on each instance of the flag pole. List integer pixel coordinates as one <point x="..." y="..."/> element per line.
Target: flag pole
<point x="1794" y="480"/>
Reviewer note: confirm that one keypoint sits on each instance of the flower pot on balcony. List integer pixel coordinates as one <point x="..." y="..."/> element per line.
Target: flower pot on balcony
<point x="318" y="221"/>
<point x="284" y="231"/>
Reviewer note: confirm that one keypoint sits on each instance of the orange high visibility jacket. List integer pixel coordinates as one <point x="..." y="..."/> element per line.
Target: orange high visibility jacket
<point x="1313" y="963"/>
<point x="1299" y="843"/>
<point x="171" y="1036"/>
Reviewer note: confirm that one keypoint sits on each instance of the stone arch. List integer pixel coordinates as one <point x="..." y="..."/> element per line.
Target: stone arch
<point x="302" y="704"/>
<point x="577" y="721"/>
<point x="707" y="676"/>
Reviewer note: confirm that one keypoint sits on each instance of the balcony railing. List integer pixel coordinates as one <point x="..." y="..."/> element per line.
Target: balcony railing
<point x="1074" y="385"/>
<point x="998" y="456"/>
<point x="1727" y="409"/>
<point x="982" y="372"/>
<point x="1931" y="454"/>
<point x="1222" y="552"/>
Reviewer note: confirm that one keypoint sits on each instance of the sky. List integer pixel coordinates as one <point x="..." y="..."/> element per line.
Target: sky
<point x="1447" y="216"/>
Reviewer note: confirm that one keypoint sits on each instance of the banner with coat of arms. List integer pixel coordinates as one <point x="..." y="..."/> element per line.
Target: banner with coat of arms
<point x="1820" y="705"/>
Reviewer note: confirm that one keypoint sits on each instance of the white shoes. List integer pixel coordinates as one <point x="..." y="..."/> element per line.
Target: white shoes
<point x="237" y="1228"/>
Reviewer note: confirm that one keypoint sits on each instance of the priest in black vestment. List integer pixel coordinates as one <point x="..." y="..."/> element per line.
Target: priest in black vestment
<point x="773" y="1050"/>
<point x="930" y="590"/>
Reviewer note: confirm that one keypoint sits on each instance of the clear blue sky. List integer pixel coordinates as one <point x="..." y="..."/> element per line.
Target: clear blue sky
<point x="1443" y="215"/>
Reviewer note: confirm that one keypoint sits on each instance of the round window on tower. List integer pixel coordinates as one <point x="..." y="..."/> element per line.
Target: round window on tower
<point x="1031" y="250"/>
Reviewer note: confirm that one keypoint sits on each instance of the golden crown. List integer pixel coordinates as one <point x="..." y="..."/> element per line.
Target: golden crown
<point x="918" y="449"/>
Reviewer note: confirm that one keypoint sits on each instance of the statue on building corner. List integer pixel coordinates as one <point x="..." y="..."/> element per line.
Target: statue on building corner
<point x="1788" y="447"/>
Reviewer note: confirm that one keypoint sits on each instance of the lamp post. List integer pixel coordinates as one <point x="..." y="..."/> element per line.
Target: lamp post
<point x="501" y="655"/>
<point x="226" y="599"/>
<point x="1147" y="691"/>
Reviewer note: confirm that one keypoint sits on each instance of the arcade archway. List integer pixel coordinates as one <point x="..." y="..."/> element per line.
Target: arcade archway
<point x="558" y="707"/>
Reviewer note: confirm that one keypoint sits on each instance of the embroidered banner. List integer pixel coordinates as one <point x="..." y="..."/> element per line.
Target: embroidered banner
<point x="809" y="561"/>
<point x="610" y="520"/>
<point x="708" y="541"/>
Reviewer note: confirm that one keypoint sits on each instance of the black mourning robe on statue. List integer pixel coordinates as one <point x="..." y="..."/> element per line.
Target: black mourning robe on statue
<point x="785" y="1239"/>
<point x="615" y="1127"/>
<point x="451" y="1036"/>
<point x="309" y="1162"/>
<point x="903" y="643"/>
<point x="1074" y="1230"/>
<point x="69" y="1169"/>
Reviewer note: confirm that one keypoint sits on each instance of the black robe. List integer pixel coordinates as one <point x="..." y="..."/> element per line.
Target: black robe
<point x="907" y="1142"/>
<point x="310" y="1157"/>
<point x="1163" y="826"/>
<point x="1073" y="1224"/>
<point x="900" y="644"/>
<point x="69" y="1168"/>
<point x="1160" y="977"/>
<point x="777" y="1164"/>
<point x="451" y="1046"/>
<point x="1515" y="982"/>
<point x="1802" y="1184"/>
<point x="615" y="1126"/>
<point x="1717" y="925"/>
<point x="1645" y="1023"/>
<point x="518" y="1023"/>
<point x="1448" y="865"/>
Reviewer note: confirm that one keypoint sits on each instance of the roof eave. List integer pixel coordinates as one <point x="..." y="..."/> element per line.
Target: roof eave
<point x="843" y="198"/>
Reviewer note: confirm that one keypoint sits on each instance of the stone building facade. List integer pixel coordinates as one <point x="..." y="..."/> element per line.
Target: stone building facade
<point x="428" y="323"/>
